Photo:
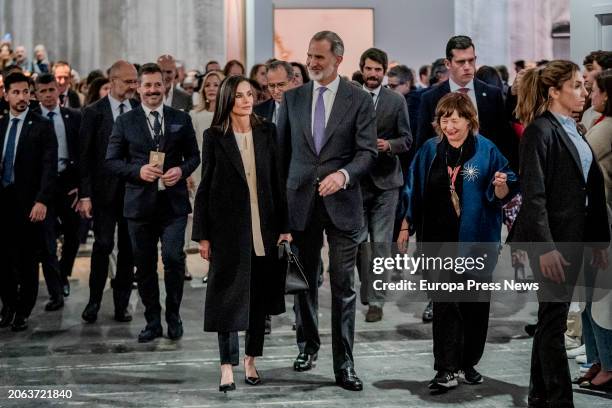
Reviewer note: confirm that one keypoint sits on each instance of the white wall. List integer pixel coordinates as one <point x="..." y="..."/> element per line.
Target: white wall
<point x="584" y="27"/>
<point x="412" y="32"/>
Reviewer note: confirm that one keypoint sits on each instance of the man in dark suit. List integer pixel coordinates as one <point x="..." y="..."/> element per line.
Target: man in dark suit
<point x="174" y="96"/>
<point x="280" y="75"/>
<point x="488" y="100"/>
<point x="63" y="75"/>
<point x="101" y="194"/>
<point x="66" y="123"/>
<point x="153" y="147"/>
<point x="327" y="136"/>
<point x="380" y="188"/>
<point x="28" y="172"/>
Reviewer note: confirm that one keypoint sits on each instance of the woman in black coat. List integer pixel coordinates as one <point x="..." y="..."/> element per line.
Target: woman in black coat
<point x="240" y="216"/>
<point x="563" y="210"/>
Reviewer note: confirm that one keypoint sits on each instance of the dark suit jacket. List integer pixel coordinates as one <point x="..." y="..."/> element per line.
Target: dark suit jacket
<point x="392" y="124"/>
<point x="265" y="109"/>
<point x="222" y="215"/>
<point x="554" y="192"/>
<point x="350" y="144"/>
<point x="129" y="148"/>
<point x="491" y="115"/>
<point x="96" y="181"/>
<point x="72" y="123"/>
<point x="181" y="100"/>
<point x="74" y="101"/>
<point x="35" y="161"/>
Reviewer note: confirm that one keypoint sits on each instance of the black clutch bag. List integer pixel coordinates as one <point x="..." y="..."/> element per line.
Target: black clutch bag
<point x="295" y="280"/>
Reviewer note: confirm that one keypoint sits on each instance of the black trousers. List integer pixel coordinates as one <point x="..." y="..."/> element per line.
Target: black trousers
<point x="342" y="257"/>
<point x="145" y="235"/>
<point x="459" y="334"/>
<point x="63" y="220"/>
<point x="21" y="242"/>
<point x="105" y="219"/>
<point x="229" y="351"/>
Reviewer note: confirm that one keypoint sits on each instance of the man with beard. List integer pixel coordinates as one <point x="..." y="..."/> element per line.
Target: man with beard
<point x="28" y="172"/>
<point x="154" y="148"/>
<point x="327" y="136"/>
<point x="380" y="188"/>
<point x="101" y="194"/>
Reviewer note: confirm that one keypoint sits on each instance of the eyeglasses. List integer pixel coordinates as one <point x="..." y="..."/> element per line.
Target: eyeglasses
<point x="280" y="86"/>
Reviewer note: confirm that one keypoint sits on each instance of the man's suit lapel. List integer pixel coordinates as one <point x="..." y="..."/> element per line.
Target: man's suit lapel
<point x="23" y="135"/>
<point x="3" y="126"/>
<point x="143" y="127"/>
<point x="305" y="95"/>
<point x="168" y="120"/>
<point x="342" y="102"/>
<point x="228" y="142"/>
<point x="481" y="96"/>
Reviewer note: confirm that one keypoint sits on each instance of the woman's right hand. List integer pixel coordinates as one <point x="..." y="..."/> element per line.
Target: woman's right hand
<point x="403" y="237"/>
<point x="205" y="249"/>
<point x="551" y="265"/>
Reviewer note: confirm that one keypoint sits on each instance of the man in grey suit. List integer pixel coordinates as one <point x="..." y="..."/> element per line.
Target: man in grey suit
<point x="327" y="135"/>
<point x="174" y="97"/>
<point x="380" y="188"/>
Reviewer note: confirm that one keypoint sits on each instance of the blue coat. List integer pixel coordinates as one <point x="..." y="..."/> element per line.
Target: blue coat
<point x="481" y="212"/>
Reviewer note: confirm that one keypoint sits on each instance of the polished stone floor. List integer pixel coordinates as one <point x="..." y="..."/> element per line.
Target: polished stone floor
<point x="104" y="366"/>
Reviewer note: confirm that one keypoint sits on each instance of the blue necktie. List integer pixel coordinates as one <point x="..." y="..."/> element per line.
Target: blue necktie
<point x="318" y="128"/>
<point x="9" y="155"/>
<point x="61" y="143"/>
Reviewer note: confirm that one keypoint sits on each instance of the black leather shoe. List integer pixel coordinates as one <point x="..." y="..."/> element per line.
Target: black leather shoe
<point x="149" y="334"/>
<point x="268" y="327"/>
<point x="428" y="313"/>
<point x="253" y="380"/>
<point x="227" y="387"/>
<point x="90" y="314"/>
<point x="54" y="304"/>
<point x="348" y="380"/>
<point x="19" y="324"/>
<point x="122" y="316"/>
<point x="374" y="314"/>
<point x="6" y="317"/>
<point x="66" y="289"/>
<point x="304" y="362"/>
<point x="175" y="330"/>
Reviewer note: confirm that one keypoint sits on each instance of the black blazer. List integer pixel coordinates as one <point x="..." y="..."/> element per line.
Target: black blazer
<point x="74" y="101"/>
<point x="491" y="115"/>
<point x="129" y="148"/>
<point x="222" y="216"/>
<point x="35" y="160"/>
<point x="72" y="123"/>
<point x="554" y="192"/>
<point x="265" y="109"/>
<point x="96" y="181"/>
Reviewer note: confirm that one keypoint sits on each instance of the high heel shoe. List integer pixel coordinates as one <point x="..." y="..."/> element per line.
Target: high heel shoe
<point x="227" y="387"/>
<point x="253" y="380"/>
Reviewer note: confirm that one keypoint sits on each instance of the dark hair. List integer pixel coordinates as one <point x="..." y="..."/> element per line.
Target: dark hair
<point x="254" y="69"/>
<point x="489" y="75"/>
<point x="44" y="79"/>
<point x="226" y="98"/>
<point x="276" y="64"/>
<point x="424" y="69"/>
<point x="229" y="66"/>
<point x="61" y="63"/>
<point x="604" y="60"/>
<point x="604" y="83"/>
<point x="96" y="73"/>
<point x="462" y="104"/>
<point x="542" y="62"/>
<point x="375" y="55"/>
<point x="149" y="68"/>
<point x="93" y="91"/>
<point x="336" y="43"/>
<point x="402" y="73"/>
<point x="357" y="77"/>
<point x="14" y="78"/>
<point x="503" y="72"/>
<point x="519" y="64"/>
<point x="458" y="42"/>
<point x="534" y="87"/>
<point x="210" y="63"/>
<point x="303" y="70"/>
<point x="438" y="68"/>
<point x="591" y="57"/>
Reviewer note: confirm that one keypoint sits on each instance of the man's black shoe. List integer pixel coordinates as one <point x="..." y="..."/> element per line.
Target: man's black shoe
<point x="19" y="324"/>
<point x="374" y="314"/>
<point x="54" y="304"/>
<point x="471" y="376"/>
<point x="348" y="380"/>
<point x="428" y="313"/>
<point x="90" y="314"/>
<point x="304" y="362"/>
<point x="122" y="316"/>
<point x="6" y="317"/>
<point x="66" y="288"/>
<point x="149" y="334"/>
<point x="175" y="330"/>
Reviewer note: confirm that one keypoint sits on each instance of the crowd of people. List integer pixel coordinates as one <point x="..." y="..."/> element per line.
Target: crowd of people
<point x="296" y="153"/>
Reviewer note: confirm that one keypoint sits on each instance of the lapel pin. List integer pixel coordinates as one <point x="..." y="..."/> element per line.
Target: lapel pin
<point x="66" y="116"/>
<point x="484" y="94"/>
<point x="30" y="122"/>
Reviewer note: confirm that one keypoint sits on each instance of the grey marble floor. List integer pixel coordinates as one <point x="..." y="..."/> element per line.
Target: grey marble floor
<point x="104" y="366"/>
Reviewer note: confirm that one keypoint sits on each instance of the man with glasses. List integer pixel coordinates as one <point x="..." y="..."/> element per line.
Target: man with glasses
<point x="280" y="79"/>
<point x="101" y="194"/>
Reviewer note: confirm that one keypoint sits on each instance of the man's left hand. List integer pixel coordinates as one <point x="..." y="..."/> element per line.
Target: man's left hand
<point x="172" y="176"/>
<point x="331" y="184"/>
<point x="382" y="145"/>
<point x="38" y="213"/>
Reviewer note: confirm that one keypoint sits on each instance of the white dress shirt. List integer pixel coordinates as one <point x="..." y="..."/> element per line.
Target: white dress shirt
<point x="168" y="99"/>
<point x="471" y="93"/>
<point x="21" y="118"/>
<point x="114" y="103"/>
<point x="376" y="93"/>
<point x="151" y="118"/>
<point x="60" y="133"/>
